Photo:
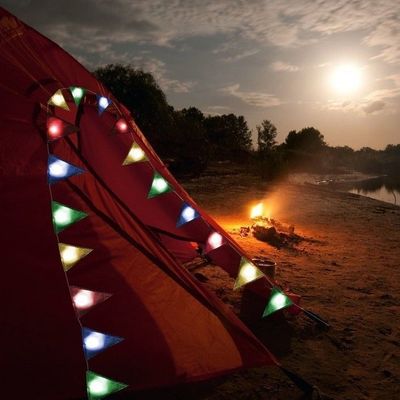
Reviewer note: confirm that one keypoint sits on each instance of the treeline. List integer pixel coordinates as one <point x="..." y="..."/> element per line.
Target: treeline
<point x="188" y="140"/>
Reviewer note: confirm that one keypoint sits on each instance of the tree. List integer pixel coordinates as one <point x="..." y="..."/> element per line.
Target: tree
<point x="229" y="136"/>
<point x="266" y="135"/>
<point x="307" y="140"/>
<point x="140" y="93"/>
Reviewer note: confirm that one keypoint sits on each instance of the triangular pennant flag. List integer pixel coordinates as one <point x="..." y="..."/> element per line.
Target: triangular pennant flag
<point x="186" y="215"/>
<point x="214" y="241"/>
<point x="64" y="216"/>
<point x="58" y="169"/>
<point x="102" y="103"/>
<point x="158" y="186"/>
<point x="136" y="154"/>
<point x="70" y="255"/>
<point x="99" y="386"/>
<point x="57" y="128"/>
<point x="77" y="93"/>
<point x="84" y="299"/>
<point x="248" y="272"/>
<point x="95" y="342"/>
<point x="58" y="100"/>
<point x="277" y="301"/>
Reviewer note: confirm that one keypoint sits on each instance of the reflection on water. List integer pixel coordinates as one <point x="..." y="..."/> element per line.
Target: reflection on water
<point x="383" y="188"/>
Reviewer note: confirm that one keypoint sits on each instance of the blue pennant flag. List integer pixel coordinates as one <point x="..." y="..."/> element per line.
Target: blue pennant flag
<point x="186" y="215"/>
<point x="102" y="103"/>
<point x="58" y="169"/>
<point x="95" y="342"/>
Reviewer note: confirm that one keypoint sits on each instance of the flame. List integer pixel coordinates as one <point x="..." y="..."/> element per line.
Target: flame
<point x="257" y="211"/>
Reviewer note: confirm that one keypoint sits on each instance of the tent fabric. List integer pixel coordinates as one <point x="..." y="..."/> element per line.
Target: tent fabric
<point x="173" y="329"/>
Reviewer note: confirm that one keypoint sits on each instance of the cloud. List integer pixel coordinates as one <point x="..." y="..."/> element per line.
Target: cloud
<point x="374" y="107"/>
<point x="158" y="69"/>
<point x="240" y="56"/>
<point x="83" y="23"/>
<point x="216" y="110"/>
<point x="281" y="66"/>
<point x="256" y="99"/>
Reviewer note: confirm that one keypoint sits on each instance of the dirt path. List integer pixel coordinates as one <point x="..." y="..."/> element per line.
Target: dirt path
<point x="348" y="271"/>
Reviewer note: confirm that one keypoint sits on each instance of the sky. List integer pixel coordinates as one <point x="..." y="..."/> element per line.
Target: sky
<point x="334" y="65"/>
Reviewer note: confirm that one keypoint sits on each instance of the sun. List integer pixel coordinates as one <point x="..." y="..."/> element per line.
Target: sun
<point x="346" y="79"/>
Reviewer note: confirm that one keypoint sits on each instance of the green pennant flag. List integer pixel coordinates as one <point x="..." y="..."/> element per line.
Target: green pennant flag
<point x="276" y="302"/>
<point x="77" y="93"/>
<point x="159" y="186"/>
<point x="99" y="387"/>
<point x="248" y="272"/>
<point x="64" y="216"/>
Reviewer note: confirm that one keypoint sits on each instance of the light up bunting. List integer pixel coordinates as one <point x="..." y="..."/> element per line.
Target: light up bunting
<point x="84" y="299"/>
<point x="276" y="302"/>
<point x="70" y="255"/>
<point x="214" y="241"/>
<point x="186" y="215"/>
<point x="102" y="103"/>
<point x="136" y="154"/>
<point x="99" y="386"/>
<point x="248" y="272"/>
<point x="158" y="186"/>
<point x="57" y="128"/>
<point x="64" y="216"/>
<point x="95" y="342"/>
<point x="58" y="100"/>
<point x="77" y="93"/>
<point x="58" y="169"/>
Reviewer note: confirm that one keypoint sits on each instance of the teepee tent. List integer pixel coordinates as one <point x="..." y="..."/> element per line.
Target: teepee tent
<point x="95" y="298"/>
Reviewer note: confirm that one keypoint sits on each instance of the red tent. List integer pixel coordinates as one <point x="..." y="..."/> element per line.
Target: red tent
<point x="94" y="232"/>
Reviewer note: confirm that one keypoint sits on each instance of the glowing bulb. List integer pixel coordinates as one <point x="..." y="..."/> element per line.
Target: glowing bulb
<point x="55" y="128"/>
<point x="188" y="213"/>
<point x="77" y="92"/>
<point x="215" y="240"/>
<point x="121" y="125"/>
<point x="248" y="272"/>
<point x="278" y="301"/>
<point x="62" y="216"/>
<point x="98" y="386"/>
<point x="103" y="103"/>
<point x="58" y="169"/>
<point x="83" y="299"/>
<point x="160" y="185"/>
<point x="58" y="99"/>
<point x="94" y="341"/>
<point x="136" y="154"/>
<point x="257" y="211"/>
<point x="70" y="255"/>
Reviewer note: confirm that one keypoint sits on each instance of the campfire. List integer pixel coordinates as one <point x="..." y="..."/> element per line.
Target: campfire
<point x="267" y="229"/>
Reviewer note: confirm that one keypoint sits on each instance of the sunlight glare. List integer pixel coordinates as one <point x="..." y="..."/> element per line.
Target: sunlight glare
<point x="346" y="78"/>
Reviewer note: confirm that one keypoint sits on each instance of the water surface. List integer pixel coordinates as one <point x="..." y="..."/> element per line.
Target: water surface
<point x="383" y="188"/>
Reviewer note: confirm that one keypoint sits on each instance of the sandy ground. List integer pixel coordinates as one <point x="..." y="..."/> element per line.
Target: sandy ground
<point x="347" y="270"/>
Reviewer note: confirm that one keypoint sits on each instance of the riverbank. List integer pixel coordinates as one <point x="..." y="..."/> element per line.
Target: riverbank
<point x="346" y="269"/>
